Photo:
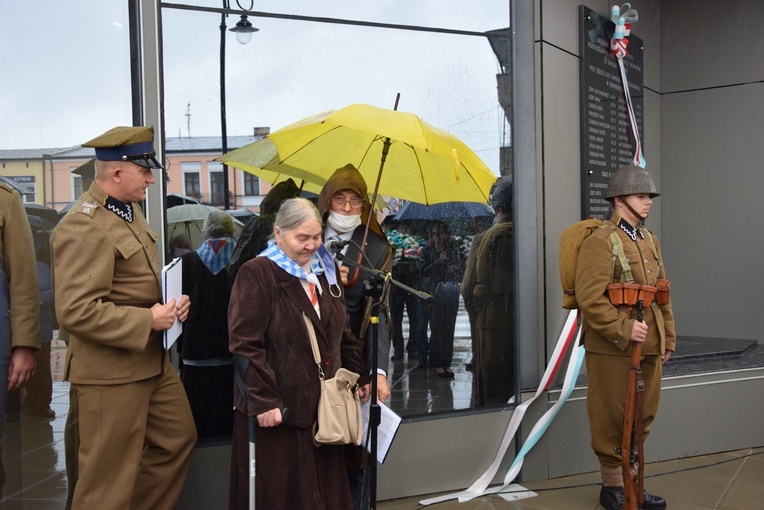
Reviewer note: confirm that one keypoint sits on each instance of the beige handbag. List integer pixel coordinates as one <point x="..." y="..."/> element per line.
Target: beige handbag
<point x="339" y="408"/>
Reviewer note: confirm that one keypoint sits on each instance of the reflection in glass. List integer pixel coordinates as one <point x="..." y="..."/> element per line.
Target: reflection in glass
<point x="293" y="68"/>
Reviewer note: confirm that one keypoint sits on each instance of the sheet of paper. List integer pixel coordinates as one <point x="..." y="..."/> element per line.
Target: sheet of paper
<point x="172" y="288"/>
<point x="388" y="427"/>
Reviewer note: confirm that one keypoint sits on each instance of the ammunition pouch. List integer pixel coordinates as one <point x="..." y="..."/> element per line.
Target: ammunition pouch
<point x="664" y="286"/>
<point x="629" y="293"/>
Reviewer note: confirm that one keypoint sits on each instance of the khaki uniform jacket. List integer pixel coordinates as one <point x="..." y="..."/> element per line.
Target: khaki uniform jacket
<point x="102" y="264"/>
<point x="607" y="328"/>
<point x="467" y="287"/>
<point x="18" y="263"/>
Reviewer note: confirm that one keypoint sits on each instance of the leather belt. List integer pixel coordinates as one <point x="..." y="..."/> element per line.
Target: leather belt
<point x="136" y="304"/>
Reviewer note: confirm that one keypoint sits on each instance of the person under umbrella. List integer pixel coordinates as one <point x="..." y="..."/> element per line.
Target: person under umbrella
<point x="346" y="210"/>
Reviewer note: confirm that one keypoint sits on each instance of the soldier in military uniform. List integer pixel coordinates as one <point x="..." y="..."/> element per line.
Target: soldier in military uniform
<point x="19" y="302"/>
<point x="610" y="330"/>
<point x="494" y="291"/>
<point x="136" y="430"/>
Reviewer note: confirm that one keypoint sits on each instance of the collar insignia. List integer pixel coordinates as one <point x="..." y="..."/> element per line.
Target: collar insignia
<point x="630" y="231"/>
<point x="121" y="209"/>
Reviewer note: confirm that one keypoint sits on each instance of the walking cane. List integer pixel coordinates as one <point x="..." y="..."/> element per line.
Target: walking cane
<point x="632" y="440"/>
<point x="240" y="364"/>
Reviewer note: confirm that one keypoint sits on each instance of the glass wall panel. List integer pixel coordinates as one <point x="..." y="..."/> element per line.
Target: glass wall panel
<point x="445" y="62"/>
<point x="65" y="80"/>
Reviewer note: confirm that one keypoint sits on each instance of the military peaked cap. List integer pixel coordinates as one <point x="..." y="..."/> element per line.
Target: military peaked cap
<point x="125" y="143"/>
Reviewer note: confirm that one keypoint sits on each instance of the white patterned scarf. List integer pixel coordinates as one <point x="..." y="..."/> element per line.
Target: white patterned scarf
<point x="274" y="253"/>
<point x="215" y="253"/>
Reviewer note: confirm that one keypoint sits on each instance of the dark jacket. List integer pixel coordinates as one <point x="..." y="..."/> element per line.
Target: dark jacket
<point x="205" y="332"/>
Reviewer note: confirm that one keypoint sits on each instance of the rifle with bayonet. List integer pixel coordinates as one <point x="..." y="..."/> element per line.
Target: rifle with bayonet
<point x="633" y="437"/>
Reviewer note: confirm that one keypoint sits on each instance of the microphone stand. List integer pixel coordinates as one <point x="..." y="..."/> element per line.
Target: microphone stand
<point x="377" y="285"/>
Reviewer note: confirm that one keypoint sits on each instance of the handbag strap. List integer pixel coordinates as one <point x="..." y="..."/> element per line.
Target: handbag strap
<point x="314" y="344"/>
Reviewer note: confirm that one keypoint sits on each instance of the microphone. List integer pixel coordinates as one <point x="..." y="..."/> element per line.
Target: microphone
<point x="335" y="244"/>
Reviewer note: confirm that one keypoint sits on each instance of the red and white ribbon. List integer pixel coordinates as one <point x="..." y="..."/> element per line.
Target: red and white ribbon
<point x="618" y="47"/>
<point x="570" y="335"/>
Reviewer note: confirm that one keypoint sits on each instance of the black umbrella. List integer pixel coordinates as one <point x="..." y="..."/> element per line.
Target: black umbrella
<point x="464" y="218"/>
<point x="444" y="211"/>
<point x="48" y="214"/>
<point x="174" y="199"/>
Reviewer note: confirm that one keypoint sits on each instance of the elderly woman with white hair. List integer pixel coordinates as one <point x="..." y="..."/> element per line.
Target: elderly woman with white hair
<point x="294" y="279"/>
<point x="206" y="369"/>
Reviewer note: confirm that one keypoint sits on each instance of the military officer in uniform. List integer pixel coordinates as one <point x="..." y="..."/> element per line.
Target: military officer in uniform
<point x="19" y="302"/>
<point x="135" y="427"/>
<point x="610" y="330"/>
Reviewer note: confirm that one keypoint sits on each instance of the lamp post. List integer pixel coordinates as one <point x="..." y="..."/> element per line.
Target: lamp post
<point x="243" y="30"/>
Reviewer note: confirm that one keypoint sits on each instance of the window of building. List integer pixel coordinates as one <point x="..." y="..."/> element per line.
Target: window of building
<point x="251" y="185"/>
<point x="76" y="186"/>
<point x="192" y="182"/>
<point x="28" y="183"/>
<point x="217" y="194"/>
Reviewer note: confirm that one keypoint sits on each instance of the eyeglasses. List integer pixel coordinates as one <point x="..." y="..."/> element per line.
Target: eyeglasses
<point x="340" y="201"/>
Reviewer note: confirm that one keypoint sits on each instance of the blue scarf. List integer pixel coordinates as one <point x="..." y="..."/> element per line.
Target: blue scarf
<point x="215" y="253"/>
<point x="274" y="253"/>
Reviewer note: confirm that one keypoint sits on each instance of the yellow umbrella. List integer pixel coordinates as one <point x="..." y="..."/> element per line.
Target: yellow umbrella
<point x="424" y="164"/>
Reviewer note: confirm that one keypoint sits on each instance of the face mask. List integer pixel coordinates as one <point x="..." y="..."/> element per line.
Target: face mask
<point x="342" y="223"/>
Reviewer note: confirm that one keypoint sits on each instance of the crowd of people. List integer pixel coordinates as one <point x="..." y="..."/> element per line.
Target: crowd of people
<point x="240" y="298"/>
<point x="134" y="420"/>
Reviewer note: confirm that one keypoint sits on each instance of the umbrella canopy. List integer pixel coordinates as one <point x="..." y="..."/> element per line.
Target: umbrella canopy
<point x="48" y="214"/>
<point x="188" y="219"/>
<point x="242" y="214"/>
<point x="424" y="164"/>
<point x="175" y="199"/>
<point x="443" y="211"/>
<point x="464" y="218"/>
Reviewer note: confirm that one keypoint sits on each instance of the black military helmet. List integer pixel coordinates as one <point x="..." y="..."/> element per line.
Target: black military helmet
<point x="631" y="180"/>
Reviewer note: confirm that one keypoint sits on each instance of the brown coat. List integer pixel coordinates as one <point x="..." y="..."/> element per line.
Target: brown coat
<point x="18" y="263"/>
<point x="265" y="325"/>
<point x="101" y="260"/>
<point x="607" y="328"/>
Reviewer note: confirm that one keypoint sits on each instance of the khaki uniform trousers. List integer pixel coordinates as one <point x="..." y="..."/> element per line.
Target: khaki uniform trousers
<point x="605" y="396"/>
<point x="136" y="441"/>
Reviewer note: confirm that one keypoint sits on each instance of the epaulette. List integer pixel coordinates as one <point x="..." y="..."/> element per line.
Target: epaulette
<point x="87" y="208"/>
<point x="5" y="186"/>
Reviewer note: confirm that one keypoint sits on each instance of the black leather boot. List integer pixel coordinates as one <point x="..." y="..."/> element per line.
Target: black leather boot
<point x="653" y="502"/>
<point x="611" y="498"/>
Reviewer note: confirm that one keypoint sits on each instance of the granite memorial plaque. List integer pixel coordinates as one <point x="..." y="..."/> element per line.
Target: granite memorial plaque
<point x="606" y="135"/>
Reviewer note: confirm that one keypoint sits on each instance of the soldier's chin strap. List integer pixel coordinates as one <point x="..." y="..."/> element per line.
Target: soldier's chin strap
<point x="630" y="208"/>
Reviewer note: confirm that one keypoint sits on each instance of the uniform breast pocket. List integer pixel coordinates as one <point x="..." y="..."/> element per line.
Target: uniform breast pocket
<point x="128" y="247"/>
<point x="130" y="260"/>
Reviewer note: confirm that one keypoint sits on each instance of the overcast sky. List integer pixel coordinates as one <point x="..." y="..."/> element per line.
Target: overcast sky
<point x="65" y="68"/>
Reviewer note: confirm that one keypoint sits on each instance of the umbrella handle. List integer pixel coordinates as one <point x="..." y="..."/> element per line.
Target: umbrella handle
<point x="356" y="272"/>
<point x="385" y="149"/>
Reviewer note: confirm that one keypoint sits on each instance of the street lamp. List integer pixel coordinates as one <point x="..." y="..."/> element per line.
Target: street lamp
<point x="243" y="30"/>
